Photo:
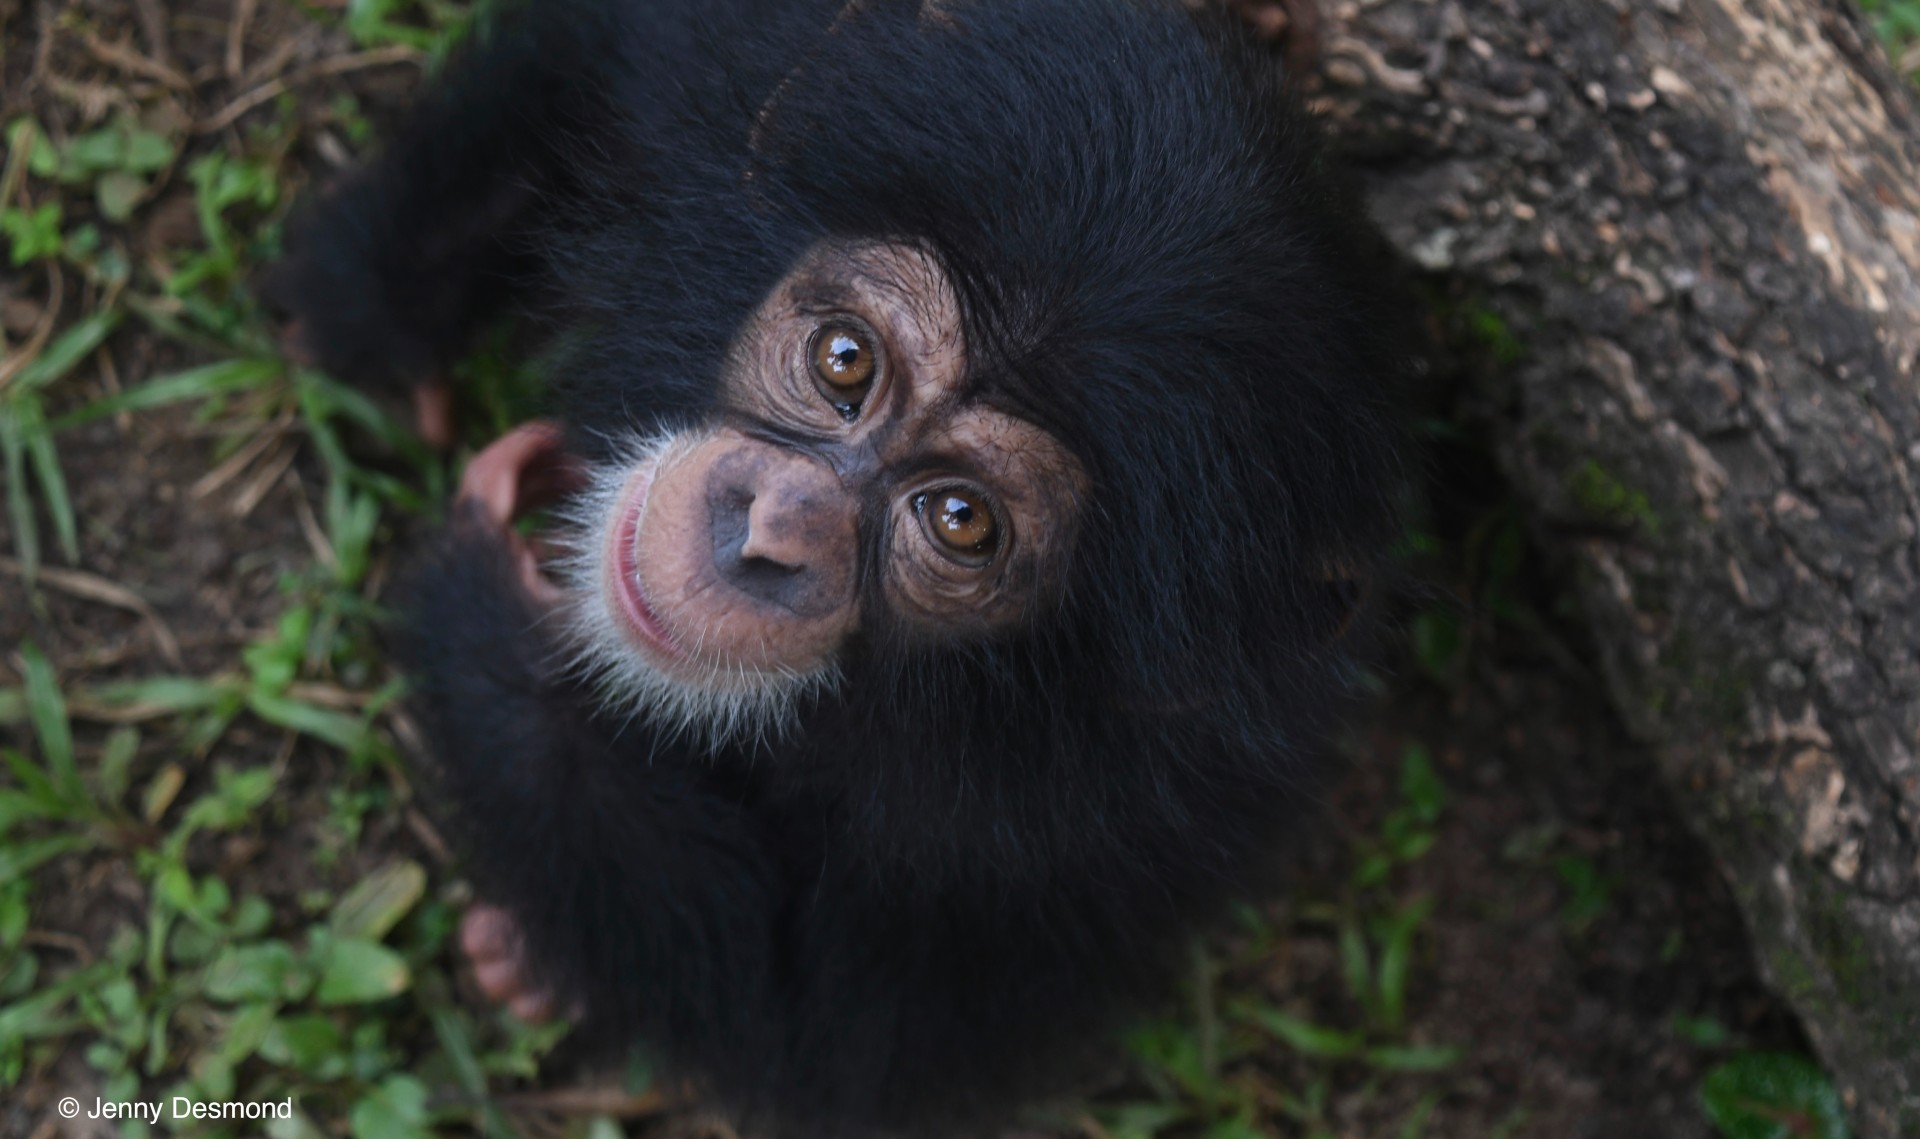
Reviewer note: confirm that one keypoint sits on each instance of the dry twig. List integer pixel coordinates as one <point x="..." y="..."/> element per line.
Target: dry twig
<point x="124" y="57"/>
<point x="337" y="65"/>
<point x="92" y="587"/>
<point x="241" y="459"/>
<point x="237" y="37"/>
<point x="14" y="364"/>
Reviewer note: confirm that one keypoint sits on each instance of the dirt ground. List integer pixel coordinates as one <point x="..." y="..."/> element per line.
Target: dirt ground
<point x="1580" y="952"/>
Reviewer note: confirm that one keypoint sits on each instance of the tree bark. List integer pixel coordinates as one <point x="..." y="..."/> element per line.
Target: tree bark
<point x="1687" y="232"/>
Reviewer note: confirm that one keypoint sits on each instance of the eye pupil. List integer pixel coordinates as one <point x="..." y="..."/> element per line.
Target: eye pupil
<point x="843" y="366"/>
<point x="957" y="522"/>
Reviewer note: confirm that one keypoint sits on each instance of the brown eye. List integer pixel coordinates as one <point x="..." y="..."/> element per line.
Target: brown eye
<point x="843" y="366"/>
<point x="959" y="521"/>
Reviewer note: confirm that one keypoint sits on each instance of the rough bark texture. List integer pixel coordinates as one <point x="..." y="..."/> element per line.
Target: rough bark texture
<point x="1686" y="233"/>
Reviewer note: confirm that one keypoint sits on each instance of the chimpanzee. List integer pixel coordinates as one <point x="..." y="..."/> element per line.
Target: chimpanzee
<point x="976" y="423"/>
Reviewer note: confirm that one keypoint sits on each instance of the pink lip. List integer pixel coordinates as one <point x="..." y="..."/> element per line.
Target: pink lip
<point x="643" y="625"/>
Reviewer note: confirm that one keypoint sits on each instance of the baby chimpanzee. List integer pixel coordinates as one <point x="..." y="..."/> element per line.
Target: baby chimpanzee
<point x="975" y="423"/>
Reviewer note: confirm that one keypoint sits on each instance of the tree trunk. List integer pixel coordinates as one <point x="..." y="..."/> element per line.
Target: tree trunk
<point x="1687" y="231"/>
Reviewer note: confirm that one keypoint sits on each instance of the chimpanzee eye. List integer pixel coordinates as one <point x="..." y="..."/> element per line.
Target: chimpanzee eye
<point x="843" y="366"/>
<point x="960" y="522"/>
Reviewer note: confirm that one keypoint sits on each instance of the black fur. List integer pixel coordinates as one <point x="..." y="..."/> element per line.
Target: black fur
<point x="975" y="858"/>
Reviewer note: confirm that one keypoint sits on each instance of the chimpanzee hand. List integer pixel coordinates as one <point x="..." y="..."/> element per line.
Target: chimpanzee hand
<point x="520" y="472"/>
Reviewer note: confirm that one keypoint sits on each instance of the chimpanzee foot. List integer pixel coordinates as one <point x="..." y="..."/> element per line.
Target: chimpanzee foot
<point x="492" y="940"/>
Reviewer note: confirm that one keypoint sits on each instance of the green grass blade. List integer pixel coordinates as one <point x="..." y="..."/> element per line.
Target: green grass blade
<point x="195" y="383"/>
<point x="38" y="440"/>
<point x="170" y="693"/>
<point x="337" y="728"/>
<point x="26" y="528"/>
<point x="49" y="711"/>
<point x="20" y="858"/>
<point x="67" y="350"/>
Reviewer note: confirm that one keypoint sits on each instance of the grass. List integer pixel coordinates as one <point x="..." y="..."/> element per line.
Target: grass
<point x="214" y="988"/>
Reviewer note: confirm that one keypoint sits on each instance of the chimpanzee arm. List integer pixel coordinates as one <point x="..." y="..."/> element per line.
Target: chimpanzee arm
<point x="645" y="897"/>
<point x="388" y="275"/>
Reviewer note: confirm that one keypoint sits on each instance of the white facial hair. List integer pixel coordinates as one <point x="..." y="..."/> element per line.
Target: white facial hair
<point x="709" y="701"/>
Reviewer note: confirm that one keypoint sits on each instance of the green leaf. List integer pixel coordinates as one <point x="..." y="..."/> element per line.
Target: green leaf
<point x="49" y="711"/>
<point x="32" y="234"/>
<point x="203" y="382"/>
<point x="1420" y="785"/>
<point x="24" y="137"/>
<point x="340" y="729"/>
<point x="116" y="763"/>
<point x="117" y="192"/>
<point x="1372" y="869"/>
<point x="313" y="1044"/>
<point x="147" y="151"/>
<point x="397" y="1109"/>
<point x="234" y="798"/>
<point x="1307" y="1037"/>
<point x="46" y="470"/>
<point x="35" y="782"/>
<point x="355" y="972"/>
<point x="94" y="151"/>
<point x="297" y="1126"/>
<point x="19" y="807"/>
<point x="246" y="1031"/>
<point x="269" y="971"/>
<point x="163" y="694"/>
<point x="378" y="902"/>
<point x="1701" y="1031"/>
<point x="17" y="859"/>
<point x="25" y="526"/>
<point x="67" y="350"/>
<point x="1773" y="1095"/>
<point x="1396" y="957"/>
<point x="36" y="1017"/>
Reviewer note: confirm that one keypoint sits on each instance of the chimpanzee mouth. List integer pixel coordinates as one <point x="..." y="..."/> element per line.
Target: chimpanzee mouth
<point x="637" y="616"/>
<point x="620" y="644"/>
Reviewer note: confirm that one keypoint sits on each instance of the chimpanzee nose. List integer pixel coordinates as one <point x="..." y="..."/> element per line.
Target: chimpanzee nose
<point x="782" y="530"/>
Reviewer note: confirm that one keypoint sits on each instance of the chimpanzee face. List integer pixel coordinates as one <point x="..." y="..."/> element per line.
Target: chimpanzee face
<point x="848" y="479"/>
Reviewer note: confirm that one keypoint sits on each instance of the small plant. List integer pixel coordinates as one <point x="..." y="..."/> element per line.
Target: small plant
<point x="1772" y="1095"/>
<point x="26" y="441"/>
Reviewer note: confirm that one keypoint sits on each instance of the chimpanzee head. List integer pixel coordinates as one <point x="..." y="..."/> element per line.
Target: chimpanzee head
<point x="945" y="379"/>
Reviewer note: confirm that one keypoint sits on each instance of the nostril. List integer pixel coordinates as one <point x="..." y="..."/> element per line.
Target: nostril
<point x="759" y="547"/>
<point x="772" y="582"/>
<point x="759" y="564"/>
<point x="764" y="574"/>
